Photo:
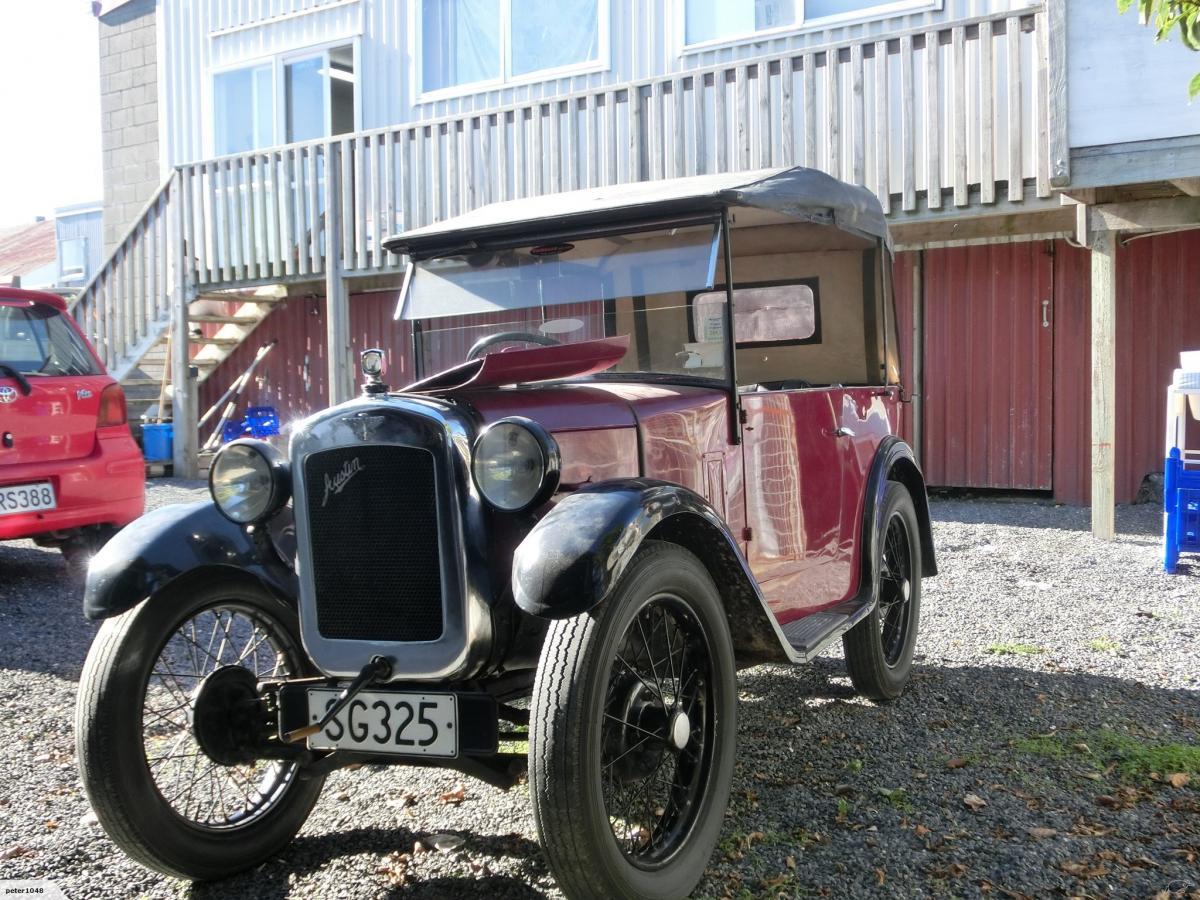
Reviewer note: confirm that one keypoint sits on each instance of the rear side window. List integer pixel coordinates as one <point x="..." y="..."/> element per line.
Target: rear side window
<point x="37" y="340"/>
<point x="765" y="315"/>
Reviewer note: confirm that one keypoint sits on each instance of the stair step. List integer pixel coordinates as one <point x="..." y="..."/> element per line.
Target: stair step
<point x="813" y="633"/>
<point x="225" y="320"/>
<point x="216" y="341"/>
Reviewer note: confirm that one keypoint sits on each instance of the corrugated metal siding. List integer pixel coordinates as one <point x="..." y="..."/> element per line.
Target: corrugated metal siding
<point x="988" y="389"/>
<point x="1158" y="315"/>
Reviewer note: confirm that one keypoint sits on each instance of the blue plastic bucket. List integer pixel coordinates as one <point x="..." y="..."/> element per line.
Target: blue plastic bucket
<point x="157" y="442"/>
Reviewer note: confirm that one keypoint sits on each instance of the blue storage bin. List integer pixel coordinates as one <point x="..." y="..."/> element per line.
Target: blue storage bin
<point x="158" y="442"/>
<point x="1181" y="503"/>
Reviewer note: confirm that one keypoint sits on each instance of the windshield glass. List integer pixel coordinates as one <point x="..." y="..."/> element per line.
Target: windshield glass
<point x="36" y="340"/>
<point x="635" y="284"/>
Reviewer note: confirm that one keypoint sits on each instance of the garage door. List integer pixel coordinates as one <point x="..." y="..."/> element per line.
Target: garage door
<point x="988" y="407"/>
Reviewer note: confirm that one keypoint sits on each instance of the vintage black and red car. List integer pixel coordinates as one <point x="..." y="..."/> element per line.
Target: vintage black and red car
<point x="665" y="450"/>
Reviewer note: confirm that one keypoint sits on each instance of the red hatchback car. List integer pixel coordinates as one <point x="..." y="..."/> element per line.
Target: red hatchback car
<point x="70" y="471"/>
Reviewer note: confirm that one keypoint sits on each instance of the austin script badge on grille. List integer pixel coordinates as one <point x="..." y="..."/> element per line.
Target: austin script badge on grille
<point x="337" y="484"/>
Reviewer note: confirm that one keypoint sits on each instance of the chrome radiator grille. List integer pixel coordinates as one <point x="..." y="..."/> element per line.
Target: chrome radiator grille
<point x="376" y="565"/>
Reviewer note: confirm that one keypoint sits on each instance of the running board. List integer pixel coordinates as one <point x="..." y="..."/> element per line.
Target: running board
<point x="813" y="633"/>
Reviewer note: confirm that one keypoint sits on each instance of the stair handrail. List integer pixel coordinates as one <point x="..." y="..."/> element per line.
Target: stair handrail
<point x="125" y="238"/>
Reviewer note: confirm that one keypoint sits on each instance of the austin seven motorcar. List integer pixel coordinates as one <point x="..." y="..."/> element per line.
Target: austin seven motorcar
<point x="652" y="440"/>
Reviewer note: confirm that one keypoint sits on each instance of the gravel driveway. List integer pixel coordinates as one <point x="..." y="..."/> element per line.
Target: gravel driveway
<point x="1042" y="748"/>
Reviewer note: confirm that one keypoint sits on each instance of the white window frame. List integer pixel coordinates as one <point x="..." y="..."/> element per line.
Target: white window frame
<point x="886" y="9"/>
<point x="602" y="62"/>
<point x="278" y="62"/>
<point x="72" y="274"/>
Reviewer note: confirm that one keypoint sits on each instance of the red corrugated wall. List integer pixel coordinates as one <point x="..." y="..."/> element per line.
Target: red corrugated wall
<point x="988" y="397"/>
<point x="1158" y="315"/>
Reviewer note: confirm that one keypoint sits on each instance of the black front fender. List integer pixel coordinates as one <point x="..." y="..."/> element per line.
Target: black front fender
<point x="573" y="558"/>
<point x="152" y="552"/>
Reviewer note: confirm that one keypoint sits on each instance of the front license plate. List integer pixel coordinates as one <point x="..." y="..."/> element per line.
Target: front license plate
<point x="386" y="722"/>
<point x="22" y="498"/>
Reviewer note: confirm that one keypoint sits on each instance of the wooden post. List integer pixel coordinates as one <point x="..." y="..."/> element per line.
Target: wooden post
<point x="183" y="399"/>
<point x="1104" y="384"/>
<point x="337" y="303"/>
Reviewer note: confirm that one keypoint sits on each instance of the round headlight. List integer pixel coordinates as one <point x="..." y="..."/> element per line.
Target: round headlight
<point x="515" y="464"/>
<point x="249" y="481"/>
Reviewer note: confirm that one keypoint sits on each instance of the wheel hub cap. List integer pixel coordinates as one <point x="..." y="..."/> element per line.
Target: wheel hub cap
<point x="681" y="730"/>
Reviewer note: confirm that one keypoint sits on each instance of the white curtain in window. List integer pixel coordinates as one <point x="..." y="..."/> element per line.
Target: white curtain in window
<point x="549" y="34"/>
<point x="460" y="42"/>
<point x="709" y="20"/>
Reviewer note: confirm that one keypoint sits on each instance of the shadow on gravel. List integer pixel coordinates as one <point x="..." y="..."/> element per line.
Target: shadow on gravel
<point x="979" y="779"/>
<point x="312" y="853"/>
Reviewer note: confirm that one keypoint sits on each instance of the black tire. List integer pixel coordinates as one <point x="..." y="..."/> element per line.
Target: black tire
<point x="572" y="733"/>
<point x="79" y="549"/>
<point x="879" y="649"/>
<point x="120" y="679"/>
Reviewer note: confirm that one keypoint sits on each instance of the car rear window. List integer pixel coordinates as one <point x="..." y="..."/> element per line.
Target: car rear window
<point x="37" y="340"/>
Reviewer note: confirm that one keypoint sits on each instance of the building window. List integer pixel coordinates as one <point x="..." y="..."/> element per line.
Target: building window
<point x="243" y="106"/>
<point x="713" y="21"/>
<point x="473" y="42"/>
<point x="73" y="253"/>
<point x="298" y="97"/>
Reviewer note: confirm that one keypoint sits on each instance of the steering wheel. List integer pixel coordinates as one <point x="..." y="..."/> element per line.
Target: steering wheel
<point x="506" y="337"/>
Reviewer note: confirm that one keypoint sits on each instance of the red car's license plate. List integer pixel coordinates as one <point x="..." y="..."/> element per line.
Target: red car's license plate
<point x="22" y="498"/>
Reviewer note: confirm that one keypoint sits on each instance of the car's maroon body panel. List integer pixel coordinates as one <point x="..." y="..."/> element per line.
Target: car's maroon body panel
<point x="97" y="472"/>
<point x="791" y="492"/>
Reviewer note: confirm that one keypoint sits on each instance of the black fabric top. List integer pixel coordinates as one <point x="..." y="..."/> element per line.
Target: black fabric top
<point x="805" y="195"/>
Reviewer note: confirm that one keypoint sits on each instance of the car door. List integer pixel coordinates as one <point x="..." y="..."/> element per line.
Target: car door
<point x="794" y="488"/>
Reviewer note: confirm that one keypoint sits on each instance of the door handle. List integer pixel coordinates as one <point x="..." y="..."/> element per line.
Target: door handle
<point x="842" y="431"/>
<point x="1045" y="313"/>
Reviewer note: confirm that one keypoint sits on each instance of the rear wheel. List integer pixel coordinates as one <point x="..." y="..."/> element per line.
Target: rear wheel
<point x="167" y="722"/>
<point x="879" y="649"/>
<point x="632" y="733"/>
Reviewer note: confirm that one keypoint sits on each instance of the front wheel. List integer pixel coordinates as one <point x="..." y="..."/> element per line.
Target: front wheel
<point x="879" y="649"/>
<point x="632" y="733"/>
<point x="167" y="722"/>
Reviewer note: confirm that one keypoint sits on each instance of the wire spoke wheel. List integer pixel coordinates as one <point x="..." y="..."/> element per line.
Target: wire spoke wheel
<point x="895" y="589"/>
<point x="201" y="790"/>
<point x="633" y="725"/>
<point x="656" y="734"/>
<point x="879" y="649"/>
<point x="171" y="732"/>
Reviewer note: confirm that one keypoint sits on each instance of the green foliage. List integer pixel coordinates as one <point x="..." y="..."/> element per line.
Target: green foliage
<point x="1165" y="16"/>
<point x="1008" y="648"/>
<point x="1131" y="757"/>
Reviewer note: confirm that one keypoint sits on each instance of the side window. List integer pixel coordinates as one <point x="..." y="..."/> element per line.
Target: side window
<point x="765" y="315"/>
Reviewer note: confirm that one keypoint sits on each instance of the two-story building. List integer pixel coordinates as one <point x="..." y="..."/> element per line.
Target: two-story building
<point x="1037" y="159"/>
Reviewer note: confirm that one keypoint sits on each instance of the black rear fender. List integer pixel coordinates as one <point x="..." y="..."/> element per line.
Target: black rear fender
<point x="574" y="557"/>
<point x="174" y="543"/>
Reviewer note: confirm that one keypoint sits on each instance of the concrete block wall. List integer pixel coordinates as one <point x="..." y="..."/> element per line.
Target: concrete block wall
<point x="128" y="114"/>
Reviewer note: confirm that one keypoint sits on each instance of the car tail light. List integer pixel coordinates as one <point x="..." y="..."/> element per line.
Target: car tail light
<point x="112" y="406"/>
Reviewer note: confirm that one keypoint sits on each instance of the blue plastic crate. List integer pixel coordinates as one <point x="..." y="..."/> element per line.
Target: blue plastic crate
<point x="259" y="422"/>
<point x="1181" y="503"/>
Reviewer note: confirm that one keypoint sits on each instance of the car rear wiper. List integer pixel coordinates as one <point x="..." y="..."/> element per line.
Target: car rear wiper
<point x="6" y="369"/>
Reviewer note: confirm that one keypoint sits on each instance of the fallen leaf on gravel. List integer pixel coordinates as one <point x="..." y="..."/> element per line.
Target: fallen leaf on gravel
<point x="749" y="840"/>
<point x="955" y="762"/>
<point x="12" y="852"/>
<point x="1082" y="747"/>
<point x="1109" y="801"/>
<point x="456" y="796"/>
<point x="843" y="790"/>
<point x="1146" y="614"/>
<point x="921" y="830"/>
<point x="445" y="842"/>
<point x="342" y="797"/>
<point x="880" y="877"/>
<point x="790" y="862"/>
<point x="1143" y="862"/>
<point x="1179" y="779"/>
<point x="51" y="824"/>
<point x="974" y="801"/>
<point x="1042" y="832"/>
<point x="1084" y="828"/>
<point x="1082" y="870"/>
<point x="394" y="868"/>
<point x="418" y="848"/>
